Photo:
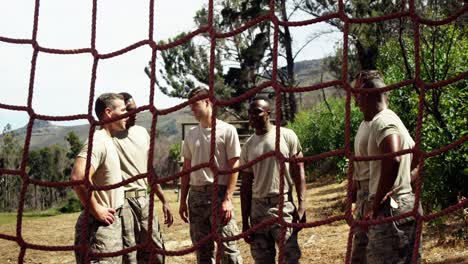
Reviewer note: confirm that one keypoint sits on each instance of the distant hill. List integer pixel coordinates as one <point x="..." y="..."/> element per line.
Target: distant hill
<point x="45" y="133"/>
<point x="311" y="72"/>
<point x="308" y="73"/>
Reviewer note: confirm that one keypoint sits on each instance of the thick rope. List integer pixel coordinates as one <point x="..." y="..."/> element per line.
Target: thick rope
<point x="279" y="89"/>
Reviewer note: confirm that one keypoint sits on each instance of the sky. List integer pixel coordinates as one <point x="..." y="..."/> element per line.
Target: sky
<point x="62" y="82"/>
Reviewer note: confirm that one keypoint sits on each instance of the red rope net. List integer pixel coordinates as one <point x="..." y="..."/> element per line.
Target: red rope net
<point x="210" y="30"/>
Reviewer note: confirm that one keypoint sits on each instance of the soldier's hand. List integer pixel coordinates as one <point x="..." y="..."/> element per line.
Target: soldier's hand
<point x="168" y="217"/>
<point x="183" y="212"/>
<point x="300" y="217"/>
<point x="247" y="238"/>
<point x="301" y="214"/>
<point x="103" y="214"/>
<point x="369" y="215"/>
<point x="226" y="211"/>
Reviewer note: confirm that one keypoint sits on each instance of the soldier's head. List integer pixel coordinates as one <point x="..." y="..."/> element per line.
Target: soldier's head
<point x="369" y="102"/>
<point x="259" y="113"/>
<point x="130" y="105"/>
<point x="201" y="109"/>
<point x="110" y="105"/>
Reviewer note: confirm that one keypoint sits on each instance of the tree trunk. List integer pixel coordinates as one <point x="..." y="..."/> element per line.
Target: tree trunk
<point x="289" y="65"/>
<point x="35" y="197"/>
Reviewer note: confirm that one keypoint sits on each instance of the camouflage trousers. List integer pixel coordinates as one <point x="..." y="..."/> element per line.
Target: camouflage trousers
<point x="135" y="221"/>
<point x="393" y="242"/>
<point x="262" y="246"/>
<point x="100" y="239"/>
<point x="200" y="226"/>
<point x="360" y="240"/>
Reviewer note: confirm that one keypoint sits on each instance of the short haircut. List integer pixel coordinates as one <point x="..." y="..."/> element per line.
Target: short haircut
<point x="199" y="90"/>
<point x="370" y="79"/>
<point x="106" y="100"/>
<point x="126" y="96"/>
<point x="260" y="97"/>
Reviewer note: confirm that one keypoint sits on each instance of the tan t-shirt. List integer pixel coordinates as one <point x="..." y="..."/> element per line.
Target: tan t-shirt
<point x="106" y="164"/>
<point x="361" y="168"/>
<point x="386" y="123"/>
<point x="266" y="181"/>
<point x="132" y="146"/>
<point x="196" y="148"/>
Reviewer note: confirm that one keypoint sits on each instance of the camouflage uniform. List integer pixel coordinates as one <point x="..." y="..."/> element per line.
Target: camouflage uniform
<point x="360" y="240"/>
<point x="101" y="239"/>
<point x="135" y="216"/>
<point x="263" y="244"/>
<point x="200" y="226"/>
<point x="393" y="242"/>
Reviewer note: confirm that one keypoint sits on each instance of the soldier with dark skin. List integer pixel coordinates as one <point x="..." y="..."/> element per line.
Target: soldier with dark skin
<point x="360" y="189"/>
<point x="133" y="145"/>
<point x="261" y="192"/>
<point x="390" y="179"/>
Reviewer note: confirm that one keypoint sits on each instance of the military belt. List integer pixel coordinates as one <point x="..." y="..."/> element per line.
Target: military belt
<point x="135" y="193"/>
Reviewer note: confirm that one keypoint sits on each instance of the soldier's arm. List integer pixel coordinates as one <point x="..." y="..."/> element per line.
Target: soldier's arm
<point x="414" y="169"/>
<point x="389" y="169"/>
<point x="101" y="213"/>
<point x="168" y="218"/>
<point x="233" y="163"/>
<point x="298" y="174"/>
<point x="246" y="201"/>
<point x="159" y="193"/>
<point x="184" y="187"/>
<point x="226" y="206"/>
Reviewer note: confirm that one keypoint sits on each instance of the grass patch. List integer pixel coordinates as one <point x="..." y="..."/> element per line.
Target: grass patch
<point x="10" y="218"/>
<point x="7" y="218"/>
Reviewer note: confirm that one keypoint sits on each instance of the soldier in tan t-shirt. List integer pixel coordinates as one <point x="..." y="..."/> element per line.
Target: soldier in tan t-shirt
<point x="390" y="191"/>
<point x="360" y="191"/>
<point x="196" y="150"/>
<point x="104" y="227"/>
<point x="132" y="146"/>
<point x="260" y="191"/>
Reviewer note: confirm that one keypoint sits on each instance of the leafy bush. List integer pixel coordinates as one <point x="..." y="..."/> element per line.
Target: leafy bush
<point x="174" y="152"/>
<point x="445" y="114"/>
<point x="72" y="205"/>
<point x="321" y="129"/>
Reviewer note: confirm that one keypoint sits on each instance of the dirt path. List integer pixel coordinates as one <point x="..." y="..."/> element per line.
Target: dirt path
<point x="322" y="244"/>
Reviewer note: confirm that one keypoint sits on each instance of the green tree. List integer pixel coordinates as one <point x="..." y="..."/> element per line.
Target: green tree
<point x="443" y="55"/>
<point x="366" y="39"/>
<point x="74" y="147"/>
<point x="389" y="47"/>
<point x="11" y="153"/>
<point x="74" y="144"/>
<point x="47" y="164"/>
<point x="321" y="129"/>
<point x="241" y="61"/>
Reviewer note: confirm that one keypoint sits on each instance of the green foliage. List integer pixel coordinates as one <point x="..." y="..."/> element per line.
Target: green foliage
<point x="11" y="150"/>
<point x="321" y="129"/>
<point x="365" y="38"/>
<point x="48" y="164"/>
<point x="443" y="55"/>
<point x="11" y="153"/>
<point x="241" y="62"/>
<point x="187" y="65"/>
<point x="174" y="152"/>
<point x="74" y="143"/>
<point x="72" y="204"/>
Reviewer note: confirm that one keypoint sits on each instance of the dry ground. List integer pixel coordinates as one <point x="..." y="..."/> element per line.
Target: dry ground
<point x="323" y="244"/>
